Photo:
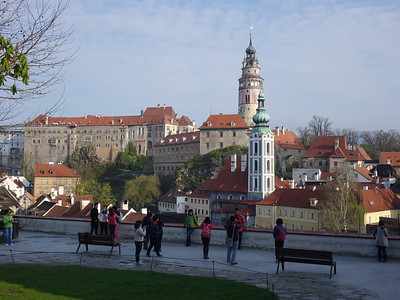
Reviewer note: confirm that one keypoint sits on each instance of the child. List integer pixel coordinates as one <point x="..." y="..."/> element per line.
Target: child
<point x="138" y="237"/>
<point x="206" y="227"/>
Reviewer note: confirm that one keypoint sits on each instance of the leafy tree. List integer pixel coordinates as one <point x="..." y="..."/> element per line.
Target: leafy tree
<point x="101" y="192"/>
<point x="142" y="190"/>
<point x="380" y="141"/>
<point x="32" y="39"/>
<point x="128" y="159"/>
<point x="340" y="203"/>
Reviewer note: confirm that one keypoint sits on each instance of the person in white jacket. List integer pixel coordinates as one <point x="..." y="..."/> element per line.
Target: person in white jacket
<point x="139" y="238"/>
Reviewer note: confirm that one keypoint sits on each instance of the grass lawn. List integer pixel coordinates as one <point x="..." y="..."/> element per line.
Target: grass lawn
<point x="75" y="282"/>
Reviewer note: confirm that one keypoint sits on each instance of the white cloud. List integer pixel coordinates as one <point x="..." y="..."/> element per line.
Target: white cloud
<point x="338" y="59"/>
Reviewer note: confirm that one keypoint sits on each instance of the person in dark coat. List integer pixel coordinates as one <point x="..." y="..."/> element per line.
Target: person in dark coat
<point x="147" y="221"/>
<point x="155" y="233"/>
<point x="232" y="232"/>
<point x="94" y="219"/>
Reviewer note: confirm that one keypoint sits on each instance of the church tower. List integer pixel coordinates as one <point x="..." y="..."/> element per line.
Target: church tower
<point x="261" y="169"/>
<point x="250" y="85"/>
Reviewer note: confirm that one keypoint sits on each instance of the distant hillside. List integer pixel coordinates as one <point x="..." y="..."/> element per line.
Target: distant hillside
<point x="202" y="167"/>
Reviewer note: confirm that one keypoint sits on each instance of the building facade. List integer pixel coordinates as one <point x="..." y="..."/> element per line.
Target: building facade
<point x="55" y="139"/>
<point x="174" y="150"/>
<point x="56" y="179"/>
<point x="222" y="130"/>
<point x="11" y="151"/>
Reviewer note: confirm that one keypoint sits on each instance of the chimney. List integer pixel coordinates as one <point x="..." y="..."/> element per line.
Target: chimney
<point x="243" y="163"/>
<point x="46" y="120"/>
<point x="365" y="188"/>
<point x="277" y="130"/>
<point x="144" y="211"/>
<point x="292" y="184"/>
<point x="314" y="188"/>
<point x="336" y="143"/>
<point x="388" y="161"/>
<point x="283" y="130"/>
<point x="233" y="162"/>
<point x="305" y="178"/>
<point x="72" y="198"/>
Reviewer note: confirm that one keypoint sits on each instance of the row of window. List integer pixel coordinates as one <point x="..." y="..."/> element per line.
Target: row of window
<point x="47" y="191"/>
<point x="230" y="197"/>
<point x="167" y="168"/>
<point x="221" y="133"/>
<point x="221" y="145"/>
<point x="53" y="181"/>
<point x="198" y="201"/>
<point x="285" y="213"/>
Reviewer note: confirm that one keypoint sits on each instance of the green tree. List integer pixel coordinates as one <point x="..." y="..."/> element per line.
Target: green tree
<point x="142" y="190"/>
<point x="101" y="192"/>
<point x="34" y="48"/>
<point x="340" y="205"/>
<point x="128" y="159"/>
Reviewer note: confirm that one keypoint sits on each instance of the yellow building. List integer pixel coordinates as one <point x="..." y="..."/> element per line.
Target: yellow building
<point x="54" y="178"/>
<point x="299" y="209"/>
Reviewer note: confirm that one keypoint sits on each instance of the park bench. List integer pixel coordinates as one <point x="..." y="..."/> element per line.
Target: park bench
<point x="305" y="256"/>
<point x="102" y="240"/>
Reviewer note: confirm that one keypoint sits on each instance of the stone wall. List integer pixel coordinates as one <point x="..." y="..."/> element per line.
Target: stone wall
<point x="348" y="244"/>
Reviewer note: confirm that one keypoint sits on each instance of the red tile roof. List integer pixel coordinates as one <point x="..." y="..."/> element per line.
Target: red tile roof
<point x="324" y="147"/>
<point x="228" y="181"/>
<point x="56" y="211"/>
<point x="390" y="158"/>
<point x="363" y="171"/>
<point x="287" y="139"/>
<point x="54" y="170"/>
<point x="379" y="200"/>
<point x="133" y="217"/>
<point x="152" y="115"/>
<point x="181" y="138"/>
<point x="222" y="121"/>
<point x="292" y="197"/>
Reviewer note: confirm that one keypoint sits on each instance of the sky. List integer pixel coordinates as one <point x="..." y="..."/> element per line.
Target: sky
<point x="336" y="59"/>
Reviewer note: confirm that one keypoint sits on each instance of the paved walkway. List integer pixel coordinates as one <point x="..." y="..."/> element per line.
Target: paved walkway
<point x="357" y="277"/>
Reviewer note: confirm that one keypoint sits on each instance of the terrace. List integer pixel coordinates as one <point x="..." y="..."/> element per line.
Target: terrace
<point x="359" y="276"/>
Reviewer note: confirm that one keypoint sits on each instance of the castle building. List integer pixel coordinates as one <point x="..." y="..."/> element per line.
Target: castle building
<point x="261" y="175"/>
<point x="55" y="139"/>
<point x="250" y="85"/>
<point x="11" y="151"/>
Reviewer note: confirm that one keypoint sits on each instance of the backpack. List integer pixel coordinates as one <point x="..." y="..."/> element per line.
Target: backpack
<point x="206" y="231"/>
<point x="281" y="236"/>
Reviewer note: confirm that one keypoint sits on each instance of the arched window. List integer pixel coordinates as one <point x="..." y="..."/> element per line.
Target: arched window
<point x="268" y="183"/>
<point x="230" y="197"/>
<point x="255" y="184"/>
<point x="218" y="197"/>
<point x="255" y="165"/>
<point x="255" y="148"/>
<point x="268" y="165"/>
<point x="268" y="148"/>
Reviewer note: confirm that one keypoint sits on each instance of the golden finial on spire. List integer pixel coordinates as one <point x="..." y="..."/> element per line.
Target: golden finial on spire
<point x="251" y="28"/>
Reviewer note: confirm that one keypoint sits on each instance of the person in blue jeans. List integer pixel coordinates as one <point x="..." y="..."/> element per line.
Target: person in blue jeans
<point x="8" y="221"/>
<point x="190" y="223"/>
<point x="232" y="232"/>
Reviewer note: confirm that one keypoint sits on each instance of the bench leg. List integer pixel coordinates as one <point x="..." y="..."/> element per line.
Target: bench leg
<point x="78" y="248"/>
<point x="112" y="247"/>
<point x="277" y="268"/>
<point x="87" y="247"/>
<point x="119" y="249"/>
<point x="330" y="274"/>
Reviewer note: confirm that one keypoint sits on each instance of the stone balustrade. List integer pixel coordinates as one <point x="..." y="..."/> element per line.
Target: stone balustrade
<point x="341" y="243"/>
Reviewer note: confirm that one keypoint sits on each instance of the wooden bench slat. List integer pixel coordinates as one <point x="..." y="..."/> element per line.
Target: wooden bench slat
<point x="101" y="240"/>
<point x="305" y="256"/>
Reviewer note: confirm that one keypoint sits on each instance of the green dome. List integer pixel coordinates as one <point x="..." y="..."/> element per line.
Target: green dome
<point x="261" y="118"/>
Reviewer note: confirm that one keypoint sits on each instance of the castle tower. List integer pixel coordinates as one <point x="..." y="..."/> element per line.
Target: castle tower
<point x="250" y="85"/>
<point x="261" y="180"/>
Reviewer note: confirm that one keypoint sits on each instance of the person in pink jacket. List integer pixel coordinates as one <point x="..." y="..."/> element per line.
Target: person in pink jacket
<point x="112" y="222"/>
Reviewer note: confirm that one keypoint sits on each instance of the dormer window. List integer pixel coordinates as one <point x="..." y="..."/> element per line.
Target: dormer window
<point x="51" y="171"/>
<point x="41" y="171"/>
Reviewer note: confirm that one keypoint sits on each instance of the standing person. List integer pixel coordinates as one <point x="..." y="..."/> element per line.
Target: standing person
<point x="161" y="224"/>
<point x="8" y="221"/>
<point x="206" y="227"/>
<point x="103" y="218"/>
<point x="146" y="225"/>
<point x="112" y="222"/>
<point x="138" y="237"/>
<point x="241" y="221"/>
<point x="190" y="223"/>
<point x="155" y="232"/>
<point x="232" y="232"/>
<point x="279" y="234"/>
<point x="94" y="219"/>
<point x="381" y="233"/>
<point x="119" y="219"/>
